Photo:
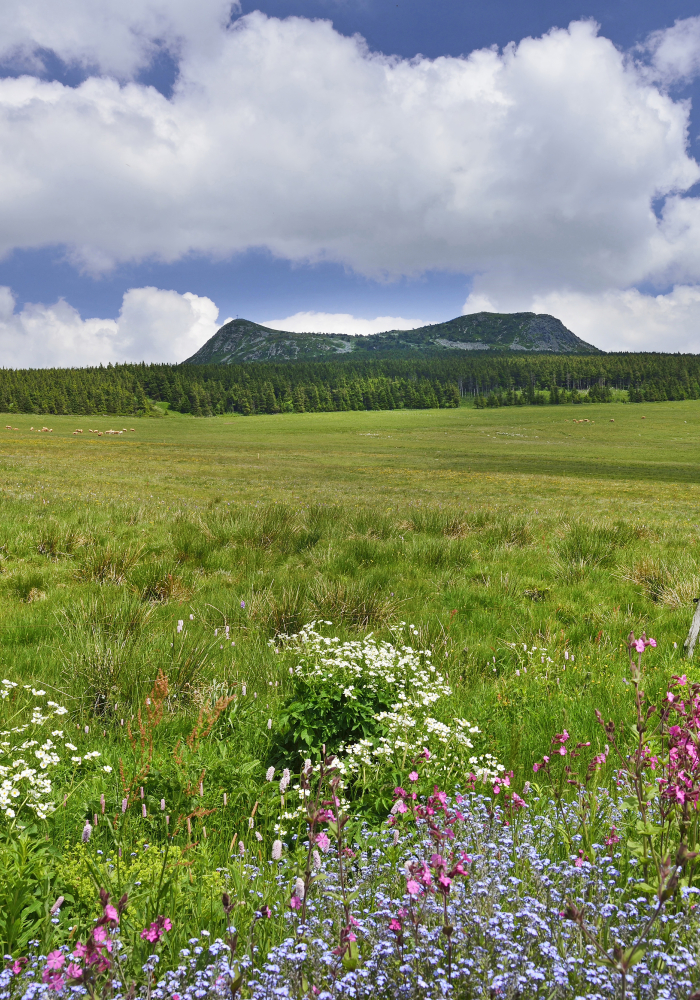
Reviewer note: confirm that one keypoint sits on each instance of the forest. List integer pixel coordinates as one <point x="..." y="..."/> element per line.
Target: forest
<point x="485" y="379"/>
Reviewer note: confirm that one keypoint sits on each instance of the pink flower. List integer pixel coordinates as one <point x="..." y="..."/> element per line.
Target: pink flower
<point x="55" y="960"/>
<point x="444" y="882"/>
<point x="99" y="935"/>
<point x="426" y="753"/>
<point x="156" y="930"/>
<point x="639" y="645"/>
<point x="54" y="980"/>
<point x="651" y="642"/>
<point x="401" y="806"/>
<point x="295" y="903"/>
<point x="562" y="751"/>
<point x="73" y="971"/>
<point x="394" y="925"/>
<point x="323" y="841"/>
<point x="111" y="913"/>
<point x="80" y="950"/>
<point x="351" y="937"/>
<point x="413" y="776"/>
<point x="18" y="965"/>
<point x="412" y="887"/>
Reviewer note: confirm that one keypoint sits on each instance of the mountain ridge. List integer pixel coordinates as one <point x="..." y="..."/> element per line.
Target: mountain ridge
<point x="241" y="340"/>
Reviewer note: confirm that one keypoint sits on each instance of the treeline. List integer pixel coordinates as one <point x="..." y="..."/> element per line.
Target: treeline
<point x="347" y="384"/>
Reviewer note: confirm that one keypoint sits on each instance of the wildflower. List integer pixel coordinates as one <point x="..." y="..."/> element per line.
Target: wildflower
<point x="57" y="905"/>
<point x="413" y="887"/>
<point x="270" y="774"/>
<point x="269" y="723"/>
<point x="156" y="930"/>
<point x="241" y="848"/>
<point x="242" y="604"/>
<point x="317" y="859"/>
<point x="277" y="850"/>
<point x="258" y="835"/>
<point x="87" y="832"/>
<point x="55" y="960"/>
<point x="413" y="776"/>
<point x="284" y="782"/>
<point x="323" y="841"/>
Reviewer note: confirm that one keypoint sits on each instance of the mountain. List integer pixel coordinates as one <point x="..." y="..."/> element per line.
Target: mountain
<point x="240" y="340"/>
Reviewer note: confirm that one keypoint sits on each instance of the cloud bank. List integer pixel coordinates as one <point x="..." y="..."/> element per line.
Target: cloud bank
<point x="153" y="325"/>
<point x="345" y="323"/>
<point x="536" y="166"/>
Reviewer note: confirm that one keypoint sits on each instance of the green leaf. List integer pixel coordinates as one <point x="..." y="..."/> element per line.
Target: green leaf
<point x="633" y="955"/>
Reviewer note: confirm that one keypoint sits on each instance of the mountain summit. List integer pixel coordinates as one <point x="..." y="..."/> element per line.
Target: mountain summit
<point x="240" y="340"/>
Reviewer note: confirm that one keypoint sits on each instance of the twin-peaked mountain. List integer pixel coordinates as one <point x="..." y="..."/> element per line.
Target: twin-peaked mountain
<point x="241" y="340"/>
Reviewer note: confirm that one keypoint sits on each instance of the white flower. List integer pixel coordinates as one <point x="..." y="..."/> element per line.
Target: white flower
<point x="277" y="850"/>
<point x="107" y="769"/>
<point x="69" y="746"/>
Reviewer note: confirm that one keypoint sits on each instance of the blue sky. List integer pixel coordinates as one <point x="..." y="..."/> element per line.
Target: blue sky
<point x="168" y="165"/>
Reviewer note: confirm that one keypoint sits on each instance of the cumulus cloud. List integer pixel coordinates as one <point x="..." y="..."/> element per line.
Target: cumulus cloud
<point x="345" y="323"/>
<point x="674" y="52"/>
<point x="153" y="325"/>
<point x="535" y="167"/>
<point x="113" y="36"/>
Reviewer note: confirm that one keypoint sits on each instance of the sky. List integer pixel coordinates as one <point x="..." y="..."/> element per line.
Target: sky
<point x="344" y="166"/>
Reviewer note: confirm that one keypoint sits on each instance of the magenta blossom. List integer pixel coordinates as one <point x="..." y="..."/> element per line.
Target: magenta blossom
<point x="55" y="960"/>
<point x="323" y="841"/>
<point x="413" y="776"/>
<point x="413" y="887"/>
<point x="155" y="932"/>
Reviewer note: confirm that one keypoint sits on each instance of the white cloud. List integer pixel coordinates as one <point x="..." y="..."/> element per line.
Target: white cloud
<point x="617" y="320"/>
<point x="320" y="322"/>
<point x="535" y="168"/>
<point x="153" y="325"/>
<point x="674" y="52"/>
<point x="113" y="36"/>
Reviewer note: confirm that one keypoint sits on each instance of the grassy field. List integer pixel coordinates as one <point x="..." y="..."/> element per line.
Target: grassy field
<point x="523" y="545"/>
<point x="485" y="527"/>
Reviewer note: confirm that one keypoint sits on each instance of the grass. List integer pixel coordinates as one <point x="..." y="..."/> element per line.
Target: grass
<point x="488" y="530"/>
<point x="452" y="520"/>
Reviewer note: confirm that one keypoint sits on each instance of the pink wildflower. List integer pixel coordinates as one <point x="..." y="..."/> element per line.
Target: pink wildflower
<point x="412" y="887"/>
<point x="295" y="903"/>
<point x="394" y="924"/>
<point x="111" y="913"/>
<point x="323" y="841"/>
<point x="413" y="776"/>
<point x="73" y="971"/>
<point x="55" y="960"/>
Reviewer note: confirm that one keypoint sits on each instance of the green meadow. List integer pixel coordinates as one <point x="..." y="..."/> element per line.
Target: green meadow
<point x="482" y="528"/>
<point x="519" y="546"/>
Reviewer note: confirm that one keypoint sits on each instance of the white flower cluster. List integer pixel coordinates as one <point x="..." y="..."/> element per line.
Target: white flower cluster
<point x="22" y="784"/>
<point x="407" y="678"/>
<point x="377" y="667"/>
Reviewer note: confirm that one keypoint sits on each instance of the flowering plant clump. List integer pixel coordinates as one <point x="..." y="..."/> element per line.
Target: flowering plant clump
<point x="481" y="912"/>
<point x="389" y="693"/>
<point x="27" y="764"/>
